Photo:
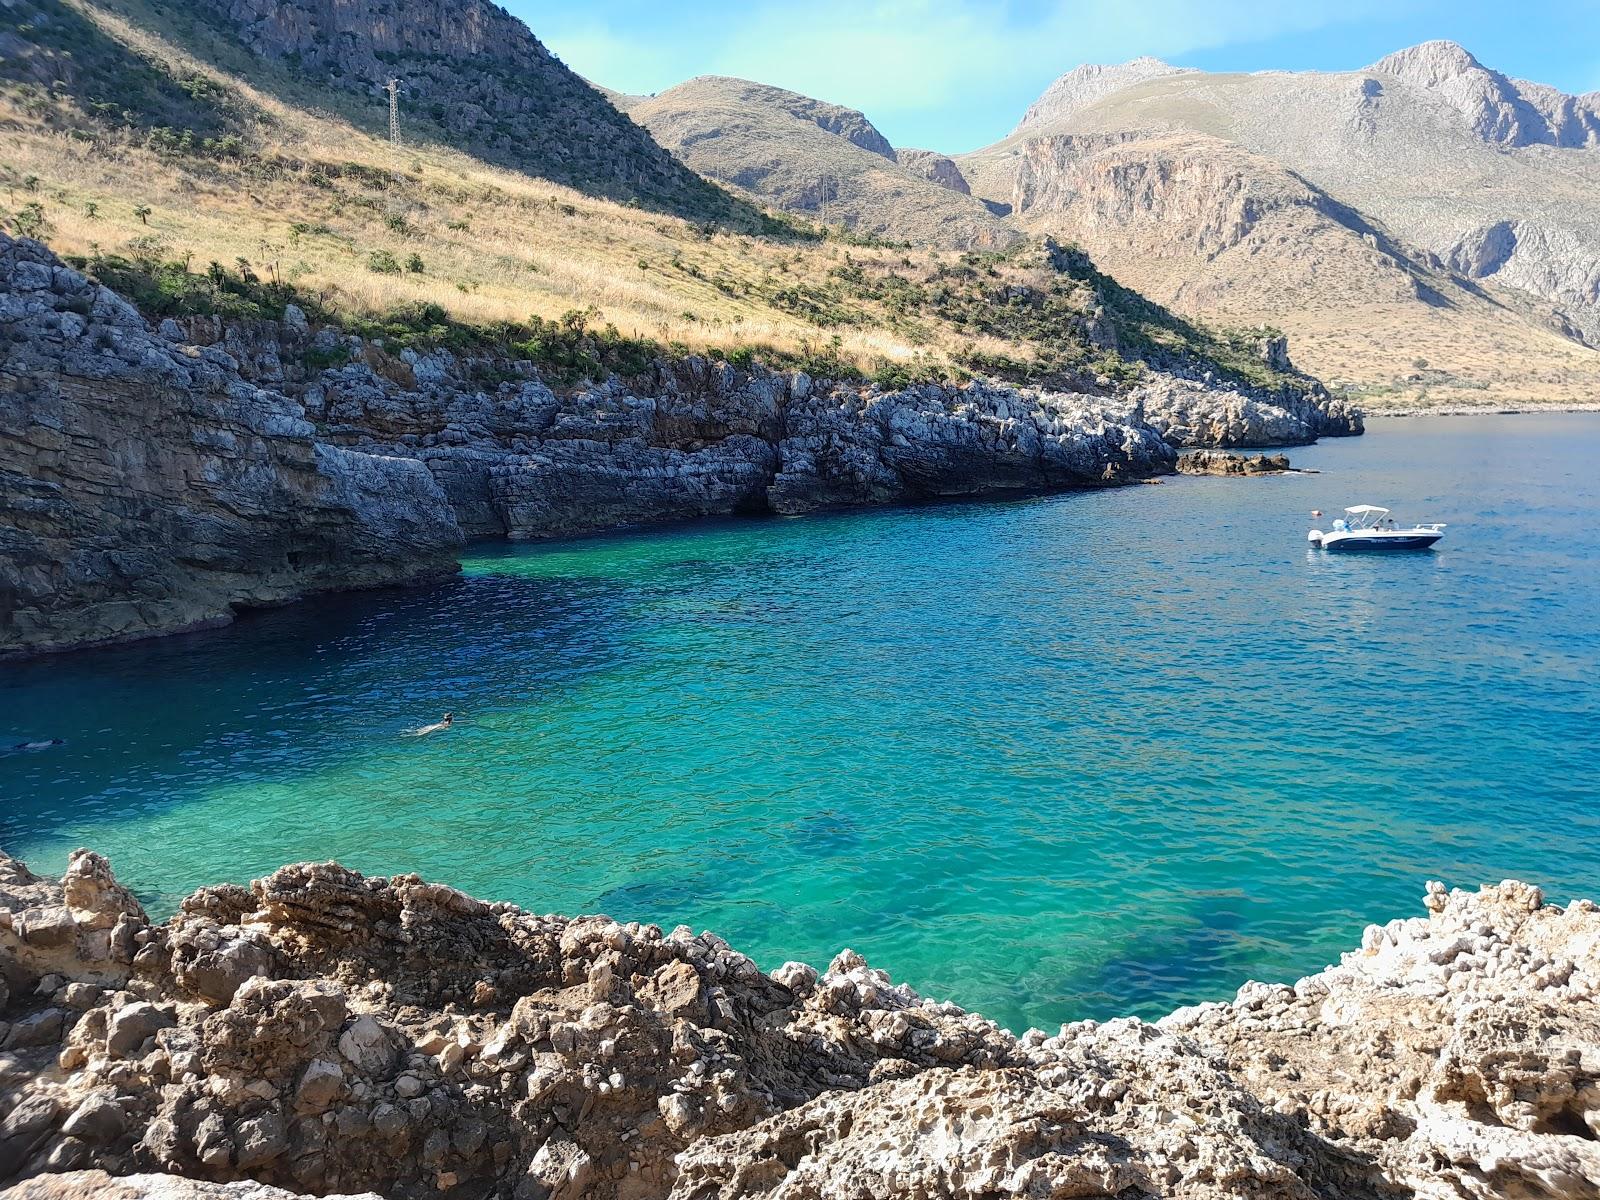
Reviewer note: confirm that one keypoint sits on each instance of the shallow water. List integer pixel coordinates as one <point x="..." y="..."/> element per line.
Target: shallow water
<point x="1072" y="756"/>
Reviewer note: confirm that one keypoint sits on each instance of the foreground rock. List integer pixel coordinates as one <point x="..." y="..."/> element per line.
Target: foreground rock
<point x="1215" y="462"/>
<point x="327" y="1033"/>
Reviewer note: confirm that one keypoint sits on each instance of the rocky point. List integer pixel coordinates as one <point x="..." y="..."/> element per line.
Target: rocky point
<point x="325" y="1033"/>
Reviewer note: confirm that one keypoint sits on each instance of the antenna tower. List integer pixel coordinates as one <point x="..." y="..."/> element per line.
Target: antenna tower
<point x="393" y="87"/>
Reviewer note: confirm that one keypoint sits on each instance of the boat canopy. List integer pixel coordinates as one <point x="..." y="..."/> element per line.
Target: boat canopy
<point x="1366" y="508"/>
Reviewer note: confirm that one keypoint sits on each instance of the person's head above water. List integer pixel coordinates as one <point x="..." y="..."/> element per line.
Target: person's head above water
<point x="448" y="717"/>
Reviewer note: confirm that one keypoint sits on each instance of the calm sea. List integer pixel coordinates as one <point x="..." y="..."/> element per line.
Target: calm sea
<point x="1073" y="756"/>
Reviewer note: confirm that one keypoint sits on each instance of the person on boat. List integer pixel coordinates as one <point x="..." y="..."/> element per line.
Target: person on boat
<point x="443" y="722"/>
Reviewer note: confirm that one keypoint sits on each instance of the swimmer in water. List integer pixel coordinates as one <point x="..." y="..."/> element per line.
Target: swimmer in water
<point x="45" y="745"/>
<point x="443" y="723"/>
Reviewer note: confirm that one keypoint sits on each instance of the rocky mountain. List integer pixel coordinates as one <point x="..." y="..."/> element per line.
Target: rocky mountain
<point x="1506" y="112"/>
<point x="470" y="75"/>
<point x="818" y="160"/>
<point x="1425" y="173"/>
<point x="327" y="1033"/>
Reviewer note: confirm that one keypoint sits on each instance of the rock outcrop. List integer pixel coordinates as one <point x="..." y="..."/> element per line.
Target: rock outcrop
<point x="1201" y="413"/>
<point x="936" y="167"/>
<point x="146" y="487"/>
<point x="160" y="480"/>
<point x="327" y="1033"/>
<point x="1216" y="462"/>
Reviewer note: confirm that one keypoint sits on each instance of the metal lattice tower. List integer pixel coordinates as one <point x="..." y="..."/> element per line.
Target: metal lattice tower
<point x="393" y="87"/>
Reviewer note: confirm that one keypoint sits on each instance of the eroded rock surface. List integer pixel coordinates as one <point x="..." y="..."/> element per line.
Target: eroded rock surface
<point x="146" y="487"/>
<point x="1217" y="462"/>
<point x="160" y="479"/>
<point x="327" y="1033"/>
<point x="1200" y="413"/>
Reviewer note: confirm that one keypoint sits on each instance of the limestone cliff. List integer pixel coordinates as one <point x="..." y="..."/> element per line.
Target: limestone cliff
<point x="324" y="1033"/>
<point x="160" y="479"/>
<point x="1425" y="207"/>
<point x="148" y="488"/>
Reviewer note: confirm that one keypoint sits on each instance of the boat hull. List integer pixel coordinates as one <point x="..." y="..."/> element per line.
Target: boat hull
<point x="1386" y="544"/>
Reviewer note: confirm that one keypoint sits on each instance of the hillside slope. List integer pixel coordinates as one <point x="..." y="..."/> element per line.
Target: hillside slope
<point x="1485" y="191"/>
<point x="470" y="76"/>
<point x="207" y="191"/>
<point x="819" y="160"/>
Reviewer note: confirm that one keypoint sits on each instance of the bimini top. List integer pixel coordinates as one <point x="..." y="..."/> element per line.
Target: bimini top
<point x="1366" y="508"/>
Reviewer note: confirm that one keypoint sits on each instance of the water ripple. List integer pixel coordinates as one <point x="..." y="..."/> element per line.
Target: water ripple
<point x="1070" y="756"/>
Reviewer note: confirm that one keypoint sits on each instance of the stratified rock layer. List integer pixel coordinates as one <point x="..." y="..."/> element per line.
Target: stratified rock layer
<point x="160" y="479"/>
<point x="145" y="486"/>
<point x="328" y="1033"/>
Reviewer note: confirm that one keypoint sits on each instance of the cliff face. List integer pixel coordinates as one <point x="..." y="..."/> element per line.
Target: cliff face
<point x="160" y="479"/>
<point x="148" y="488"/>
<point x="328" y="1033"/>
<point x="935" y="167"/>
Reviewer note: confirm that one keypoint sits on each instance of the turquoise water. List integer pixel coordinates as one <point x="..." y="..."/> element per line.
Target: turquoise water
<point x="1071" y="756"/>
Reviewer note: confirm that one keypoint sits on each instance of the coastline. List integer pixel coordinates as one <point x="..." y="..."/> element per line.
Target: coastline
<point x="285" y="477"/>
<point x="323" y="1032"/>
<point x="1483" y="411"/>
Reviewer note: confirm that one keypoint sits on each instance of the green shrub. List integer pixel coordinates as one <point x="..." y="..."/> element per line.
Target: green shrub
<point x="382" y="263"/>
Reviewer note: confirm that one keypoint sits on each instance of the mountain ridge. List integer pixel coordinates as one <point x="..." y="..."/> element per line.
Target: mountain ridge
<point x="1486" y="185"/>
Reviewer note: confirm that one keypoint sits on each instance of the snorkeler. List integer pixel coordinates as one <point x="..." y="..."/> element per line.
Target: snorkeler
<point x="44" y="745"/>
<point x="443" y="723"/>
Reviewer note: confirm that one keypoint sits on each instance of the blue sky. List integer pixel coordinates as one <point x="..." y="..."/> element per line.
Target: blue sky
<point x="957" y="74"/>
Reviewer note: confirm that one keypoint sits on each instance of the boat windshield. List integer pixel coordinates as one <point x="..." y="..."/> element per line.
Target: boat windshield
<point x="1366" y="516"/>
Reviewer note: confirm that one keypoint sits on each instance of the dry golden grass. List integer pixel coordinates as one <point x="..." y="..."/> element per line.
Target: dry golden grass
<point x="1363" y="332"/>
<point x="495" y="245"/>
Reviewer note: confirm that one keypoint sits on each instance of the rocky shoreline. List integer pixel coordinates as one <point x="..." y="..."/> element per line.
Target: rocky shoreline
<point x="162" y="479"/>
<point x="327" y="1033"/>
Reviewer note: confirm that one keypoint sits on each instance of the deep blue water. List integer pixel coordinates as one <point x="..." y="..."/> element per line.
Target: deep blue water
<point x="1070" y="756"/>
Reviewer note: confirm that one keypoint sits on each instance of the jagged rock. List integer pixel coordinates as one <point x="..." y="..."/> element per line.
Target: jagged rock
<point x="1215" y="462"/>
<point x="415" y="1041"/>
<point x="97" y="1185"/>
<point x="130" y="1026"/>
<point x="935" y="167"/>
<point x="1191" y="412"/>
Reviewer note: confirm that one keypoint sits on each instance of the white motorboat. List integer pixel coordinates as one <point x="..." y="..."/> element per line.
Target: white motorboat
<point x="1370" y="528"/>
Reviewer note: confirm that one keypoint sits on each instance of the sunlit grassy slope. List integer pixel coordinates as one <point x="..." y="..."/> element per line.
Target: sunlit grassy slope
<point x="312" y="204"/>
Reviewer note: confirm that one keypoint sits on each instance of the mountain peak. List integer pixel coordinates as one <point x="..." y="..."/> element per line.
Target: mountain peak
<point x="1429" y="63"/>
<point x="1083" y="85"/>
<point x="1509" y="112"/>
